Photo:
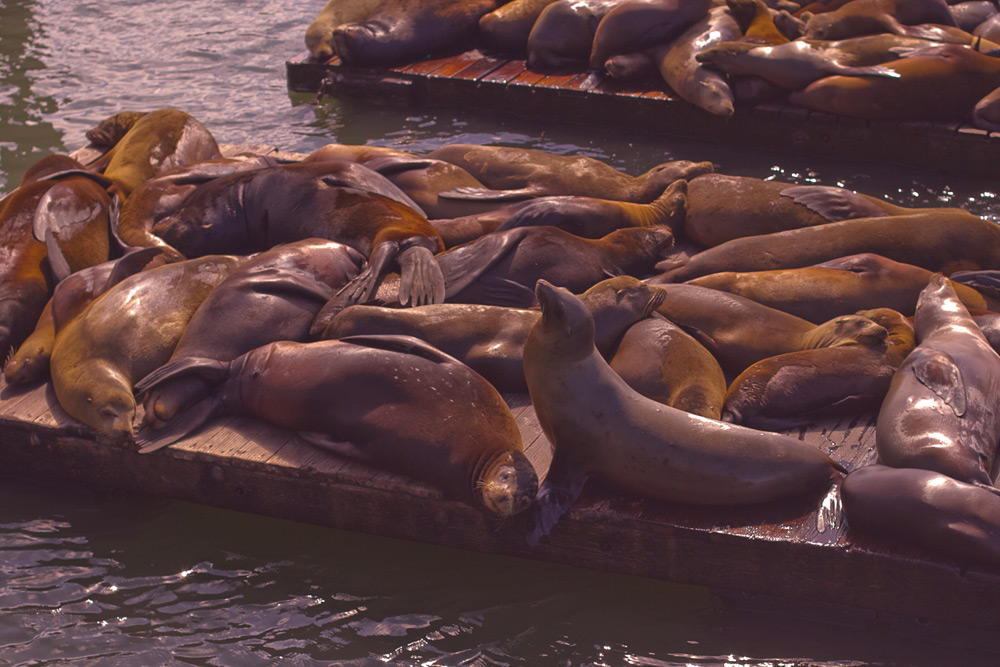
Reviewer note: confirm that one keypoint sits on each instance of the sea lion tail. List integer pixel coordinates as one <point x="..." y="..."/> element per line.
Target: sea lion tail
<point x="179" y="427"/>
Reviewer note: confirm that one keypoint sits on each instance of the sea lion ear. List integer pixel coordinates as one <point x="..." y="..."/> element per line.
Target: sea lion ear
<point x="937" y="371"/>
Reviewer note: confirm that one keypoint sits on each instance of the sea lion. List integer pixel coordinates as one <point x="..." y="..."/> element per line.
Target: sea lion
<point x="944" y="240"/>
<point x="838" y="287"/>
<point x="926" y="509"/>
<point x="635" y="25"/>
<point x="986" y="113"/>
<point x="798" y="388"/>
<point x="273" y="296"/>
<point x="756" y="22"/>
<point x="861" y="17"/>
<point x="600" y="427"/>
<point x="740" y="332"/>
<point x="502" y="267"/>
<point x="70" y="296"/>
<point x="125" y="334"/>
<point x="73" y="220"/>
<point x="662" y="362"/>
<point x="940" y="412"/>
<point x="701" y="86"/>
<point x="563" y="34"/>
<point x="393" y="401"/>
<point x="490" y="339"/>
<point x="583" y="216"/>
<point x="401" y="31"/>
<point x="971" y="14"/>
<point x="507" y="27"/>
<point x="521" y="173"/>
<point x="959" y="77"/>
<point x="335" y="13"/>
<point x="158" y="141"/>
<point x="110" y="131"/>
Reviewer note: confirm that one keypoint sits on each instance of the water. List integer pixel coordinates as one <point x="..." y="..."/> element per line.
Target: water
<point x="97" y="579"/>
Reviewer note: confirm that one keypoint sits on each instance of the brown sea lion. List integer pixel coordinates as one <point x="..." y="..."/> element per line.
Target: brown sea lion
<point x="635" y="25"/>
<point x="158" y="141"/>
<point x="797" y="388"/>
<point x="940" y="413"/>
<point x="563" y="34"/>
<point x="393" y="401"/>
<point x="507" y="27"/>
<point x="756" y="21"/>
<point x="740" y="332"/>
<point x="926" y="509"/>
<point x="273" y="296"/>
<point x="959" y="77"/>
<point x="701" y="86"/>
<point x="862" y="17"/>
<point x="125" y="334"/>
<point x="490" y="339"/>
<point x="401" y="31"/>
<point x="600" y="427"/>
<point x="335" y="13"/>
<point x="583" y="216"/>
<point x="662" y="362"/>
<point x="110" y="131"/>
<point x="73" y="218"/>
<point x="525" y="172"/>
<point x="986" y="113"/>
<point x="944" y="240"/>
<point x="838" y="287"/>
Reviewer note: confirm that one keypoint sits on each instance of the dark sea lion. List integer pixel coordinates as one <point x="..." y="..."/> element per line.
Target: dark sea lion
<point x="634" y="25"/>
<point x="583" y="216"/>
<point x="393" y="401"/>
<point x="125" y="334"/>
<point x="563" y="33"/>
<point x="335" y="13"/>
<point x="989" y="29"/>
<point x="944" y="240"/>
<point x="490" y="339"/>
<point x="798" y="388"/>
<point x="158" y="141"/>
<point x="701" y="86"/>
<point x="927" y="509"/>
<point x="740" y="332"/>
<point x="721" y="207"/>
<point x="525" y="172"/>
<point x="30" y="362"/>
<point x="862" y="17"/>
<point x="959" y="75"/>
<point x="273" y="296"/>
<point x="662" y="362"/>
<point x="600" y="427"/>
<point x="401" y="31"/>
<point x="838" y="287"/>
<point x="110" y="131"/>
<point x="971" y="14"/>
<point x="986" y="113"/>
<point x="940" y="413"/>
<point x="502" y="267"/>
<point x="507" y="27"/>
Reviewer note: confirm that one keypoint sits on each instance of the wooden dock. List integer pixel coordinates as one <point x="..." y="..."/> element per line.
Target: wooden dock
<point x="778" y="550"/>
<point x="478" y="82"/>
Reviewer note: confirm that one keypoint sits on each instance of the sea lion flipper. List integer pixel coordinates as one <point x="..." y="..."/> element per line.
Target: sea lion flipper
<point x="485" y="194"/>
<point x="553" y="500"/>
<point x="420" y="279"/>
<point x="498" y="291"/>
<point x="394" y="164"/>
<point x="179" y="427"/>
<point x="463" y="265"/>
<point x="339" y="447"/>
<point x="985" y="281"/>
<point x="938" y="372"/>
<point x="834" y="204"/>
<point x="400" y="343"/>
<point x="213" y="370"/>
<point x="131" y="264"/>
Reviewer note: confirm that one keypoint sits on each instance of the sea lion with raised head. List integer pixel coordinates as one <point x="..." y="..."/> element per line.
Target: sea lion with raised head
<point x="940" y="412"/>
<point x="600" y="427"/>
<point x="393" y="401"/>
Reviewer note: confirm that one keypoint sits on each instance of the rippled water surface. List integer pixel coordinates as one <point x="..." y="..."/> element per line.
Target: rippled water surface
<point x="89" y="578"/>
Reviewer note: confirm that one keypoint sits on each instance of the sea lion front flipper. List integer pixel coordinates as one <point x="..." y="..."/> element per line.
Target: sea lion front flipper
<point x="421" y="281"/>
<point x="400" y="343"/>
<point x="496" y="291"/>
<point x="485" y="194"/>
<point x="179" y="427"/>
<point x="834" y="204"/>
<point x="394" y="164"/>
<point x="339" y="447"/>
<point x="59" y="215"/>
<point x="213" y="370"/>
<point x="985" y="281"/>
<point x="938" y="372"/>
<point x="465" y="264"/>
<point x="359" y="289"/>
<point x="561" y="488"/>
<point x="131" y="264"/>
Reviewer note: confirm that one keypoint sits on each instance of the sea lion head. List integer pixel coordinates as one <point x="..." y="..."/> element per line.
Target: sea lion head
<point x="665" y="173"/>
<point x="845" y="330"/>
<point x="508" y="484"/>
<point x="724" y="53"/>
<point x="319" y="40"/>
<point x="624" y="291"/>
<point x="30" y="362"/>
<point x="109" y="131"/>
<point x="101" y="397"/>
<point x="566" y="327"/>
<point x="937" y="306"/>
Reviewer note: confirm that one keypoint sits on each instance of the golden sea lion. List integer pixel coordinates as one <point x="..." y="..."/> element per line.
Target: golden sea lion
<point x="335" y="13"/>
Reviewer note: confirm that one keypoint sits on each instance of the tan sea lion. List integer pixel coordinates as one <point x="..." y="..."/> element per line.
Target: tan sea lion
<point x="927" y="509"/>
<point x="273" y="296"/>
<point x="838" y="287"/>
<point x="940" y="413"/>
<point x="662" y="362"/>
<point x="563" y="33"/>
<point x="393" y="401"/>
<point x="944" y="240"/>
<point x="798" y="388"/>
<point x="756" y="21"/>
<point x="600" y="427"/>
<point x="401" y="31"/>
<point x="490" y="339"/>
<point x="335" y="13"/>
<point x="125" y="334"/>
<point x="635" y="25"/>
<point x="862" y="17"/>
<point x="526" y="172"/>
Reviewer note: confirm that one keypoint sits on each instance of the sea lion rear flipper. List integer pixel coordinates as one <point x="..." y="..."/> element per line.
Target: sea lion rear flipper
<point x="938" y="372"/>
<point x="485" y="194"/>
<point x="213" y="370"/>
<point x="505" y="292"/>
<point x="834" y="204"/>
<point x="339" y="447"/>
<point x="463" y="265"/>
<point x="179" y="427"/>
<point x="359" y="289"/>
<point x="420" y="279"/>
<point x="557" y="494"/>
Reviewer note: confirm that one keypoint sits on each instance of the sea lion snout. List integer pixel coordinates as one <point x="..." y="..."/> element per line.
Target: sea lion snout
<point x="509" y="485"/>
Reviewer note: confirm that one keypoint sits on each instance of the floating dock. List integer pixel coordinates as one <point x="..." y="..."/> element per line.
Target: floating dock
<point x="477" y="82"/>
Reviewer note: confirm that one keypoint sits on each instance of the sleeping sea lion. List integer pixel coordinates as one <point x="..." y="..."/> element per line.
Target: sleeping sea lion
<point x="798" y="388"/>
<point x="125" y="334"/>
<point x="600" y="427"/>
<point x="273" y="296"/>
<point x="940" y="413"/>
<point x="110" y="131"/>
<point x="862" y="17"/>
<point x="507" y="27"/>
<point x="563" y="33"/>
<point x="393" y="401"/>
<point x="335" y="13"/>
<point x="635" y="25"/>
